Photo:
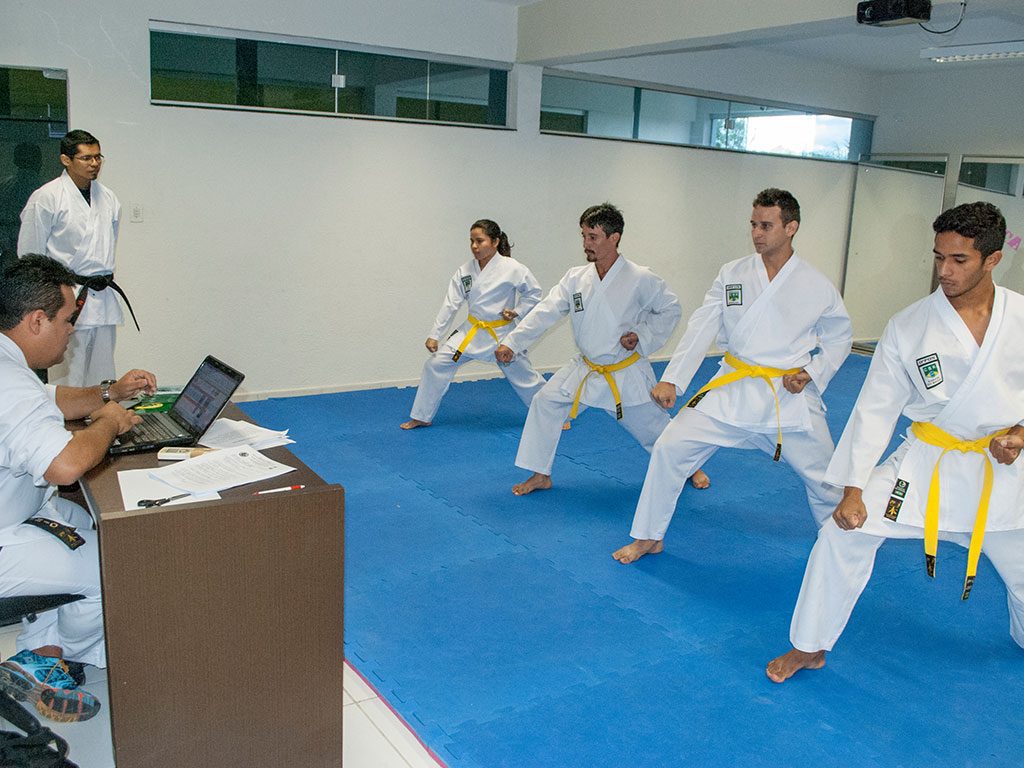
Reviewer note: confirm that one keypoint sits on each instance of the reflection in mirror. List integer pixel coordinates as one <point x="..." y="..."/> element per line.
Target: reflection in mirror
<point x="889" y="259"/>
<point x="1000" y="181"/>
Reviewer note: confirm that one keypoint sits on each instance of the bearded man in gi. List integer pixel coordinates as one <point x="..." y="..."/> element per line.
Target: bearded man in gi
<point x="786" y="332"/>
<point x="75" y="220"/>
<point x="621" y="313"/>
<point x="951" y="363"/>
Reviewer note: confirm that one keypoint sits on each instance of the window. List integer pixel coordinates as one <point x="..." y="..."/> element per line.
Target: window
<point x="320" y="77"/>
<point x="33" y="119"/>
<point x="996" y="177"/>
<point x="627" y="111"/>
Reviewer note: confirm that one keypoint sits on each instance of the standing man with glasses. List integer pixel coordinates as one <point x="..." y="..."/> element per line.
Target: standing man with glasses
<point x="75" y="220"/>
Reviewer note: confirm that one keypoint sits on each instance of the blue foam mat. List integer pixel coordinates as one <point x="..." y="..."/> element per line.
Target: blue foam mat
<point x="502" y="630"/>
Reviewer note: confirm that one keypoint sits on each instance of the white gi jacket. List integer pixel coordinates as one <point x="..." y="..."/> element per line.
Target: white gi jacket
<point x="32" y="433"/>
<point x="57" y="222"/>
<point x="503" y="284"/>
<point x="629" y="298"/>
<point x="928" y="366"/>
<point x="777" y="323"/>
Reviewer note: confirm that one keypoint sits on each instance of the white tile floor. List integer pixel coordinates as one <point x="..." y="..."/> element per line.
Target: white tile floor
<point x="374" y="737"/>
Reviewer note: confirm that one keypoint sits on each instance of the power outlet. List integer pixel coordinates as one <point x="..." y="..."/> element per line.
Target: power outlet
<point x="136" y="213"/>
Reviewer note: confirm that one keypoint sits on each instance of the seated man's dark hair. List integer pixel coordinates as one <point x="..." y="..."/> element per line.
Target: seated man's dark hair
<point x="606" y="216"/>
<point x="32" y="282"/>
<point x="981" y="221"/>
<point x="771" y="197"/>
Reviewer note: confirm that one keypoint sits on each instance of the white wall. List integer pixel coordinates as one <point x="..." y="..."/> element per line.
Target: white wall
<point x="312" y="252"/>
<point x="971" y="108"/>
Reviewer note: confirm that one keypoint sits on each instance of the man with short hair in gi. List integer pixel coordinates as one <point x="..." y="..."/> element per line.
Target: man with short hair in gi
<point x="786" y="332"/>
<point x="75" y="220"/>
<point x="951" y="363"/>
<point x="621" y="313"/>
<point x="46" y="542"/>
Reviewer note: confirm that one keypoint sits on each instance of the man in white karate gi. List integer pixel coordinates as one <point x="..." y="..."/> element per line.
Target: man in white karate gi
<point x="47" y="545"/>
<point x="952" y="363"/>
<point x="786" y="332"/>
<point x="75" y="220"/>
<point x="621" y="313"/>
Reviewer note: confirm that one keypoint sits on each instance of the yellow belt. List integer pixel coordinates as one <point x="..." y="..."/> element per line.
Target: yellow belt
<point x="487" y="325"/>
<point x="928" y="433"/>
<point x="743" y="371"/>
<point x="606" y="371"/>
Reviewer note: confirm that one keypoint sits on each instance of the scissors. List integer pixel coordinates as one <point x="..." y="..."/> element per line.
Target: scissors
<point x="146" y="503"/>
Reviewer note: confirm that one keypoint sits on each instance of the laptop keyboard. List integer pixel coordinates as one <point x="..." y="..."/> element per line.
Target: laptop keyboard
<point x="154" y="427"/>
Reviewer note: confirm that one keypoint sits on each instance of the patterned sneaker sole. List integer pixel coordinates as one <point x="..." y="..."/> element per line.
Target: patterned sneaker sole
<point x="53" y="703"/>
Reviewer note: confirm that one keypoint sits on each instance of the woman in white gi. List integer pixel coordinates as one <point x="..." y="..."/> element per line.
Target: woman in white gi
<point x="950" y="362"/>
<point x="499" y="292"/>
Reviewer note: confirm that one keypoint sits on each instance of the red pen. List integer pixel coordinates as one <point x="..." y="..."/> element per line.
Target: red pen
<point x="278" y="490"/>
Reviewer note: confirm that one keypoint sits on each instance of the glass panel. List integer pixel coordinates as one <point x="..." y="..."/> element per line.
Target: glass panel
<point x="681" y="119"/>
<point x="295" y="77"/>
<point x="1002" y="184"/>
<point x="33" y="115"/>
<point x="193" y="68"/>
<point x="464" y="95"/>
<point x="607" y="109"/>
<point x="890" y="235"/>
<point x="755" y="128"/>
<point x="998" y="177"/>
<point x="34" y="94"/>
<point x="374" y="84"/>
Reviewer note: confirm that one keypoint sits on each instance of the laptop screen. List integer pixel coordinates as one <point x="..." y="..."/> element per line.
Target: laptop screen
<point x="205" y="395"/>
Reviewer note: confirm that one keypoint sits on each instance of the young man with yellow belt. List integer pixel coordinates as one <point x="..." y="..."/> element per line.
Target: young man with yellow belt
<point x="952" y="363"/>
<point x="786" y="333"/>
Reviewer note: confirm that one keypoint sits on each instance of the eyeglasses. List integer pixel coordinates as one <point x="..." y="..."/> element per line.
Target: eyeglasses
<point x="87" y="159"/>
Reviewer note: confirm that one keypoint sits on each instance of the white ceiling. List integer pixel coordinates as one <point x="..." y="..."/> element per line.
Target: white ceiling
<point x="898" y="49"/>
<point x="867" y="48"/>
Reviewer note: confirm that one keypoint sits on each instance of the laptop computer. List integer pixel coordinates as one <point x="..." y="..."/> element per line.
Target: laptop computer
<point x="192" y="413"/>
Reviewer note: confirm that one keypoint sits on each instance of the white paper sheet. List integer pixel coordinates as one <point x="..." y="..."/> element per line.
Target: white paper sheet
<point x="136" y="484"/>
<point x="229" y="433"/>
<point x="219" y="470"/>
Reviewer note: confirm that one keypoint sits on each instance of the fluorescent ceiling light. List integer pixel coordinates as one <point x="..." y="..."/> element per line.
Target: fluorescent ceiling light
<point x="1014" y="49"/>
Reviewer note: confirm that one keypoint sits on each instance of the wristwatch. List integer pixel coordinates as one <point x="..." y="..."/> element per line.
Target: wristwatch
<point x="105" y="386"/>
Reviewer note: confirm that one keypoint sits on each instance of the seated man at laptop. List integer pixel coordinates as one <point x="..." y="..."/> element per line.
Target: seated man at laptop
<point x="46" y="545"/>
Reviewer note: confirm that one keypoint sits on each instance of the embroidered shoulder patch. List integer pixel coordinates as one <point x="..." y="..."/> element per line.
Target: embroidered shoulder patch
<point x="734" y="295"/>
<point x="577" y="302"/>
<point x="930" y="369"/>
<point x="467" y="283"/>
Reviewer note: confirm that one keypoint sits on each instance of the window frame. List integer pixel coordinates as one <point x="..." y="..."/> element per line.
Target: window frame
<point x="339" y="47"/>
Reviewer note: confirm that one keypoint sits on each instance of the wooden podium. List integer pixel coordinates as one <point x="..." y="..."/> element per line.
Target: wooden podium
<point x="223" y="622"/>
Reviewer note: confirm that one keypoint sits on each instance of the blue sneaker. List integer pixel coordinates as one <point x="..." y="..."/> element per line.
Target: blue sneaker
<point x="45" y="680"/>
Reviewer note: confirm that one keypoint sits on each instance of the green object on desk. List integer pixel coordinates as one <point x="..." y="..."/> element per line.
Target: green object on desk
<point x="156" y="403"/>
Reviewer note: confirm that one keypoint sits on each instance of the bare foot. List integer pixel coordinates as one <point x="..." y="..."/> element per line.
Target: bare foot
<point x="640" y="547"/>
<point x="536" y="482"/>
<point x="788" y="664"/>
<point x="413" y="423"/>
<point x="700" y="480"/>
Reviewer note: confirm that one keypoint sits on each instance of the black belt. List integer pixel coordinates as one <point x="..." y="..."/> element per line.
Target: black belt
<point x="101" y="283"/>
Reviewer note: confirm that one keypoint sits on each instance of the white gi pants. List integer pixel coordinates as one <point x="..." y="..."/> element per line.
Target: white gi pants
<point x="693" y="437"/>
<point x="45" y="566"/>
<point x="439" y="369"/>
<point x="549" y="411"/>
<point x="89" y="359"/>
<point x="841" y="563"/>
